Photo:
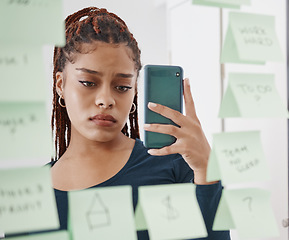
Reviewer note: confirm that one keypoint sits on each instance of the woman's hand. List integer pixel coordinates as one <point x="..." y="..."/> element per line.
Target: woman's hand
<point x="191" y="142"/>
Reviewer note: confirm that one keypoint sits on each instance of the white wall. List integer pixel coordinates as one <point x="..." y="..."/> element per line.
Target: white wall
<point x="195" y="44"/>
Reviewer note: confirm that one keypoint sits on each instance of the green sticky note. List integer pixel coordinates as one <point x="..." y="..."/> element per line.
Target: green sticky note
<point x="222" y="3"/>
<point x="233" y="2"/>
<point x="252" y="95"/>
<point x="140" y="221"/>
<point x="25" y="131"/>
<point x="248" y="211"/>
<point x="237" y="157"/>
<point x="102" y="213"/>
<point x="32" y="22"/>
<point x="170" y="212"/>
<point x="27" y="200"/>
<point x="22" y="75"/>
<point x="59" y="235"/>
<point x="251" y="39"/>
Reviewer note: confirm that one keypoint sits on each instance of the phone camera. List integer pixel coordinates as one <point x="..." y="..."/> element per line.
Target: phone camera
<point x="177" y="74"/>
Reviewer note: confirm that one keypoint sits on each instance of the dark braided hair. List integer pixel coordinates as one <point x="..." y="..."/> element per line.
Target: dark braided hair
<point x="86" y="26"/>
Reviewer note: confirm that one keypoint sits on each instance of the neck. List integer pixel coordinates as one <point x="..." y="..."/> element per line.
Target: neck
<point x="82" y="148"/>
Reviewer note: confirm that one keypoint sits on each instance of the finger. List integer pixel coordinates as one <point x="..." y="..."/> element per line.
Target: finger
<point x="163" y="128"/>
<point x="167" y="112"/>
<point x="162" y="151"/>
<point x="189" y="102"/>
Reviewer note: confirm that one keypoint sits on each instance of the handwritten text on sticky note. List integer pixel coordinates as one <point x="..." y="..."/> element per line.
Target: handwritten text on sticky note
<point x="251" y="38"/>
<point x="252" y="95"/>
<point x="20" y="122"/>
<point x="31" y="22"/>
<point x="22" y="75"/>
<point x="27" y="201"/>
<point x="237" y="157"/>
<point x="170" y="212"/>
<point x="248" y="211"/>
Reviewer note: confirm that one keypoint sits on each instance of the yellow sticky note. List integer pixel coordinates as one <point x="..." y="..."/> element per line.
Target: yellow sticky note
<point x="22" y="75"/>
<point x="252" y="95"/>
<point x="27" y="200"/>
<point x="248" y="211"/>
<point x="57" y="235"/>
<point x="237" y="157"/>
<point x="170" y="212"/>
<point x="25" y="131"/>
<point x="32" y="22"/>
<point x="102" y="213"/>
<point x="222" y="3"/>
<point x="251" y="38"/>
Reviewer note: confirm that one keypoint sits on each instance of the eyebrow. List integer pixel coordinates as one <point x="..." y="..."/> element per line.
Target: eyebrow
<point x="88" y="71"/>
<point x="122" y="75"/>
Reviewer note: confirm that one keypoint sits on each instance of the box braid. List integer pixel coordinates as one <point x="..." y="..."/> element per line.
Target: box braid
<point x="86" y="26"/>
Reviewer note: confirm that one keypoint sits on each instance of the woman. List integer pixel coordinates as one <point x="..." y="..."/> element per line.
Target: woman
<point x="95" y="92"/>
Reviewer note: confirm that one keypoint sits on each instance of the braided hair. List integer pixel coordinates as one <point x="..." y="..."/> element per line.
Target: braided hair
<point x="86" y="26"/>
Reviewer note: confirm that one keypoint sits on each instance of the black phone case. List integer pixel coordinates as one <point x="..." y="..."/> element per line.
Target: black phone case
<point x="163" y="85"/>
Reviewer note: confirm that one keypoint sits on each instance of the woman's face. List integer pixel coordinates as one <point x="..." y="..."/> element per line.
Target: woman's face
<point x="98" y="90"/>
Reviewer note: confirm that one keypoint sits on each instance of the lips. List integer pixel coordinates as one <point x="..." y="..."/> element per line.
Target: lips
<point x="103" y="120"/>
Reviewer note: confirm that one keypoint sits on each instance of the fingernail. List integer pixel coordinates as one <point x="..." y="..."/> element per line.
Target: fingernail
<point x="151" y="151"/>
<point x="152" y="104"/>
<point x="146" y="126"/>
<point x="187" y="81"/>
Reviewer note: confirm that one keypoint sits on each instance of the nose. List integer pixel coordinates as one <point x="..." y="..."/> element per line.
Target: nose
<point x="104" y="98"/>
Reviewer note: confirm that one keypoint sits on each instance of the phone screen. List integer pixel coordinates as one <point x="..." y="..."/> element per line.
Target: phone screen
<point x="163" y="85"/>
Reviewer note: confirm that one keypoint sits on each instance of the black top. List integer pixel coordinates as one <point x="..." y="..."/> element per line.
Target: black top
<point x="143" y="169"/>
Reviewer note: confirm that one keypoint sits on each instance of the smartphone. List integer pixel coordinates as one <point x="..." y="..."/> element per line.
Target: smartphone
<point x="163" y="84"/>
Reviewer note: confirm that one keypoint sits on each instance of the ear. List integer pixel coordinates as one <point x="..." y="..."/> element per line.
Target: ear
<point x="59" y="83"/>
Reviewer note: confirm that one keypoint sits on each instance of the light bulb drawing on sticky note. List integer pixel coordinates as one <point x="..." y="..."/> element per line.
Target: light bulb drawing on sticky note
<point x="171" y="213"/>
<point x="98" y="214"/>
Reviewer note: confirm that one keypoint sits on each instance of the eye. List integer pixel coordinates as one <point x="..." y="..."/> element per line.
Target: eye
<point x="123" y="88"/>
<point x="87" y="83"/>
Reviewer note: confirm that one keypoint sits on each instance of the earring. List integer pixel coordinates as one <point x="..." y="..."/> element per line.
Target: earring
<point x="59" y="102"/>
<point x="133" y="108"/>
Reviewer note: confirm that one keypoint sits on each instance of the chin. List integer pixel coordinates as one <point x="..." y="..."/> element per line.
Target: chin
<point x="103" y="137"/>
<point x="96" y="135"/>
